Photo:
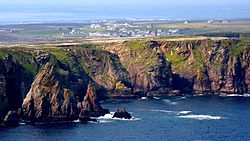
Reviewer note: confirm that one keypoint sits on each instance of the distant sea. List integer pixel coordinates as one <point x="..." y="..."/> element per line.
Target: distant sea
<point x="10" y="14"/>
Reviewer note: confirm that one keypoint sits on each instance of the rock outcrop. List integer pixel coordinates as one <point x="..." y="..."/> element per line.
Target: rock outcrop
<point x="122" y="113"/>
<point x="90" y="107"/>
<point x="57" y="94"/>
<point x="52" y="96"/>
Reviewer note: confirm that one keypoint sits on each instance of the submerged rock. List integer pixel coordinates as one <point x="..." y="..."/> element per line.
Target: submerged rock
<point x="122" y="113"/>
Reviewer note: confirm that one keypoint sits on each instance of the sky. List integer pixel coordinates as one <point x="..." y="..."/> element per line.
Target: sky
<point x="126" y="2"/>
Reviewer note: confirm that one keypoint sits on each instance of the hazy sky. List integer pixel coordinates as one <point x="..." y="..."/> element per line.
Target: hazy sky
<point x="127" y="2"/>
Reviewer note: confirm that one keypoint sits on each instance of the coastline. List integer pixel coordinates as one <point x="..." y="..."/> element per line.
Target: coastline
<point x="81" y="73"/>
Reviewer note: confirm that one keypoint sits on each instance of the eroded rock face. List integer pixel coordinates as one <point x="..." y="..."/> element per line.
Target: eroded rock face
<point x="57" y="94"/>
<point x="209" y="66"/>
<point x="11" y="85"/>
<point x="4" y="104"/>
<point x="202" y="81"/>
<point x="90" y="105"/>
<point x="105" y="69"/>
<point x="14" y="82"/>
<point x="246" y="67"/>
<point x="52" y="96"/>
<point x="149" y="71"/>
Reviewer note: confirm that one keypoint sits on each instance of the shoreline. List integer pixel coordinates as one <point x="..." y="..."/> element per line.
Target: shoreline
<point x="23" y="122"/>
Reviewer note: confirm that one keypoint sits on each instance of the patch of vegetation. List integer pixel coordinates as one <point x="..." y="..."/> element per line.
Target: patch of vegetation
<point x="239" y="48"/>
<point x="177" y="61"/>
<point x="87" y="30"/>
<point x="59" y="53"/>
<point x="174" y="57"/>
<point x="145" y="58"/>
<point x="40" y="32"/>
<point x="88" y="46"/>
<point x="23" y="57"/>
<point x="105" y="78"/>
<point x="135" y="44"/>
<point x="198" y="57"/>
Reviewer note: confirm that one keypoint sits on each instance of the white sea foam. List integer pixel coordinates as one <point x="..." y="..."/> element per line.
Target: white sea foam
<point x="143" y="98"/>
<point x="178" y="113"/>
<point x="230" y="95"/>
<point x="103" y="121"/>
<point x="201" y="117"/>
<point x="184" y="112"/>
<point x="109" y="118"/>
<point x="233" y="95"/>
<point x="163" y="111"/>
<point x="156" y="98"/>
<point x="76" y="121"/>
<point x="199" y="94"/>
<point x="169" y="102"/>
<point x="246" y="95"/>
<point x="22" y="123"/>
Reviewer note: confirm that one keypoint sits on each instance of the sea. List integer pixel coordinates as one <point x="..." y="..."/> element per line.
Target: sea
<point x="181" y="118"/>
<point x="25" y="14"/>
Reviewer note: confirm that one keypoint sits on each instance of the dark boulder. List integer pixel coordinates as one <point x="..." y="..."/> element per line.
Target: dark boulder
<point x="122" y="113"/>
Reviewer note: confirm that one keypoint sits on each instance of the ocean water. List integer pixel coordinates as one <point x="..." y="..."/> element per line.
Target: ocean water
<point x="18" y="14"/>
<point x="176" y="118"/>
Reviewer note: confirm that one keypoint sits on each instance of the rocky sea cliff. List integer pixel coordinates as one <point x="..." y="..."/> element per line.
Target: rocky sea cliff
<point x="66" y="82"/>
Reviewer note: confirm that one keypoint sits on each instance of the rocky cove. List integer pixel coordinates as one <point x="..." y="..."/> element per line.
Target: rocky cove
<point x="58" y="82"/>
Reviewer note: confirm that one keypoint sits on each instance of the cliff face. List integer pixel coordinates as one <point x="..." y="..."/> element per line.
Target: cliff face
<point x="67" y="83"/>
<point x="52" y="97"/>
<point x="149" y="71"/>
<point x="57" y="94"/>
<point x="11" y="85"/>
<point x="209" y="66"/>
<point x="106" y="70"/>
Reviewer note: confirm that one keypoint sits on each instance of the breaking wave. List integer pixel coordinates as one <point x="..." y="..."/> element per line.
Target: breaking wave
<point x="169" y="102"/>
<point x="109" y="118"/>
<point x="184" y="112"/>
<point x="172" y="112"/>
<point x="201" y="117"/>
<point x="163" y="111"/>
<point x="157" y="98"/>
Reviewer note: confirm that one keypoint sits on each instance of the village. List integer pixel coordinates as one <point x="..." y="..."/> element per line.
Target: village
<point x="121" y="29"/>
